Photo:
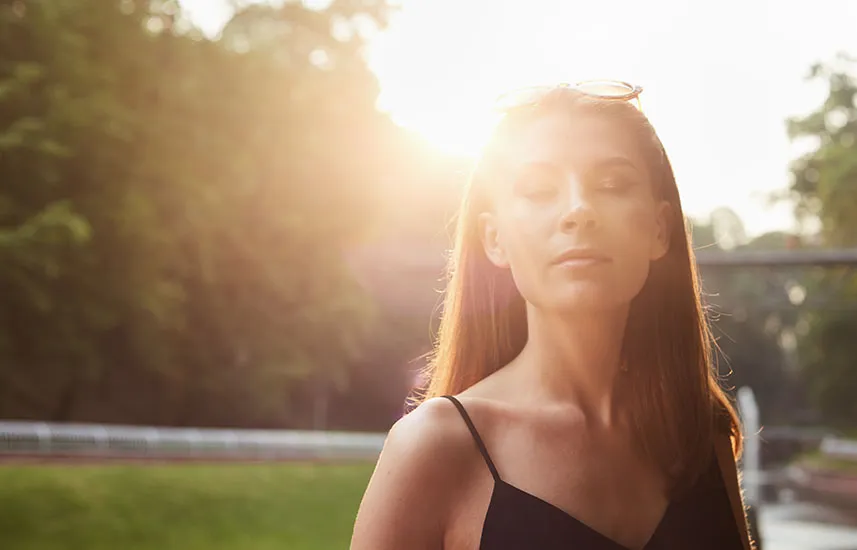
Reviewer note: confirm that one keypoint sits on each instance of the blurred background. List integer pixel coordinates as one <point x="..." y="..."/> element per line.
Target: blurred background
<point x="223" y="229"/>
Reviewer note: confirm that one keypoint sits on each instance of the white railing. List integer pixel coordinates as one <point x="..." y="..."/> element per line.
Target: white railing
<point x="44" y="439"/>
<point x="839" y="448"/>
<point x="95" y="440"/>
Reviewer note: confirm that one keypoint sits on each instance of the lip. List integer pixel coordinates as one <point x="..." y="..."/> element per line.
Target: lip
<point x="581" y="257"/>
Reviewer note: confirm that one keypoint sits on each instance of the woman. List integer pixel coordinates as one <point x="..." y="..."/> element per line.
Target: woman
<point x="572" y="402"/>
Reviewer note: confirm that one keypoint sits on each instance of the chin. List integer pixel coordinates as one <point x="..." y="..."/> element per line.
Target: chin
<point x="590" y="297"/>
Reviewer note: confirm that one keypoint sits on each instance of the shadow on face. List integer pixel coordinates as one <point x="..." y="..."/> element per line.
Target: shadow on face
<point x="574" y="212"/>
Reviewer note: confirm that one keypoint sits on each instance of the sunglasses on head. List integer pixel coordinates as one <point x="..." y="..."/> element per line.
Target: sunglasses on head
<point x="602" y="89"/>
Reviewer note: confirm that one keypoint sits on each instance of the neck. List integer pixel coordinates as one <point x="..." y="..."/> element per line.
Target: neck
<point x="575" y="358"/>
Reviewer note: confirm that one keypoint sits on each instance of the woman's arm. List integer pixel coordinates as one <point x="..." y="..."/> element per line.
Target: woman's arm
<point x="407" y="502"/>
<point x="729" y="470"/>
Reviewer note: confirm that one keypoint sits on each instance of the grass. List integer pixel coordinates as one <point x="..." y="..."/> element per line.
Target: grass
<point x="817" y="461"/>
<point x="180" y="506"/>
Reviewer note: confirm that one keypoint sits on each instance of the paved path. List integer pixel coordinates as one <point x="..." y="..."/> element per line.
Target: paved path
<point x="802" y="526"/>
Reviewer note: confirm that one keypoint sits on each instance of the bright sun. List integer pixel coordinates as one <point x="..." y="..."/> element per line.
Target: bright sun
<point x="441" y="64"/>
<point x="459" y="131"/>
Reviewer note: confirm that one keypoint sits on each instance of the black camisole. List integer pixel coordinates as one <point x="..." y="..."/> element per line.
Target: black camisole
<point x="517" y="520"/>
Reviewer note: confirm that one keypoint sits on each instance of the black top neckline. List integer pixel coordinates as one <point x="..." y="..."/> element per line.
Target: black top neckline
<point x="515" y="519"/>
<point x="556" y="510"/>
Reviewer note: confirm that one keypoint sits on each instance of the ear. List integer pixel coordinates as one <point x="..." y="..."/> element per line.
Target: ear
<point x="490" y="237"/>
<point x="663" y="229"/>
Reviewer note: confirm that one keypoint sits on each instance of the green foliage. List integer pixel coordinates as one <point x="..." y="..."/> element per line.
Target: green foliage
<point x="825" y="187"/>
<point x="825" y="179"/>
<point x="175" y="212"/>
<point x="818" y="462"/>
<point x="186" y="507"/>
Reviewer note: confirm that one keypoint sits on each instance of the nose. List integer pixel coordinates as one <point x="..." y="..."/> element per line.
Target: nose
<point x="579" y="212"/>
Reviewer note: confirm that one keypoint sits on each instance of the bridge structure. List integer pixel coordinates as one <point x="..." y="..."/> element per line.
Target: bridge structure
<point x="411" y="277"/>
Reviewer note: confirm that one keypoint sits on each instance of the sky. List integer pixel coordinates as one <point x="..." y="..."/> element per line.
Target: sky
<point x="719" y="78"/>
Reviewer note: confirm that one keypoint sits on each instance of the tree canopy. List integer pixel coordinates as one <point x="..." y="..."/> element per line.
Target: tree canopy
<point x="824" y="188"/>
<point x="175" y="211"/>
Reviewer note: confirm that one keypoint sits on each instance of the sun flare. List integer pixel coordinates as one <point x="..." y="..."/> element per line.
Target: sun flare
<point x="441" y="64"/>
<point x="440" y="75"/>
<point x="460" y="131"/>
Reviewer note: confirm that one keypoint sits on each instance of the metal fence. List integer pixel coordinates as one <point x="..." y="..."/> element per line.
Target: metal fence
<point x="116" y="441"/>
<point x="44" y="439"/>
<point x="109" y="441"/>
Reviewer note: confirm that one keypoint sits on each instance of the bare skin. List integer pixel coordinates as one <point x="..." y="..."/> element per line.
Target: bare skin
<point x="431" y="488"/>
<point x="551" y="419"/>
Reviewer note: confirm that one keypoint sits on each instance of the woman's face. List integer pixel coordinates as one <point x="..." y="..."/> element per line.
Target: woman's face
<point x="575" y="216"/>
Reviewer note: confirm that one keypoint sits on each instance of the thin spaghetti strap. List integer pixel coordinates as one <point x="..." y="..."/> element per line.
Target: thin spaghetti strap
<point x="475" y="435"/>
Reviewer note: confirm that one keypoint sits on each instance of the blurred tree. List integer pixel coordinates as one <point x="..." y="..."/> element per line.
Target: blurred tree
<point x="824" y="188"/>
<point x="728" y="229"/>
<point x="824" y="184"/>
<point x="175" y="212"/>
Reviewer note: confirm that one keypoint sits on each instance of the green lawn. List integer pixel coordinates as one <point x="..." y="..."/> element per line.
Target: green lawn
<point x="180" y="506"/>
<point x="816" y="460"/>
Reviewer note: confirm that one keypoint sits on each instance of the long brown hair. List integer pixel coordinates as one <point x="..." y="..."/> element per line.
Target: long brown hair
<point x="675" y="396"/>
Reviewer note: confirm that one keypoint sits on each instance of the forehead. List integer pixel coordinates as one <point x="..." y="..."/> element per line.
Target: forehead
<point x="573" y="142"/>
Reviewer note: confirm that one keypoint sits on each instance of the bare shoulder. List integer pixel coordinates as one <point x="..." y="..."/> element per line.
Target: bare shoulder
<point x="432" y="436"/>
<point x="432" y="423"/>
<point x="426" y="456"/>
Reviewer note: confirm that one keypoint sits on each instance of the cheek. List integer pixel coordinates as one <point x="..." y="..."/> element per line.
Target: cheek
<point x="637" y="227"/>
<point x="526" y="230"/>
<point x="635" y="237"/>
<point x="637" y="217"/>
<point x="525" y="239"/>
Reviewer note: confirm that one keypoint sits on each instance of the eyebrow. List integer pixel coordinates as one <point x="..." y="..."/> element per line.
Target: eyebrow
<point x="601" y="164"/>
<point x="614" y="162"/>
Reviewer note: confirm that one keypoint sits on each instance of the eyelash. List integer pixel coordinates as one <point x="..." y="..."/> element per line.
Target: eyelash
<point x="539" y="190"/>
<point x="617" y="183"/>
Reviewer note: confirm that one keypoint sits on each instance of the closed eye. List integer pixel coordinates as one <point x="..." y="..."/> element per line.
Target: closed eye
<point x="615" y="182"/>
<point x="616" y="173"/>
<point x="538" y="181"/>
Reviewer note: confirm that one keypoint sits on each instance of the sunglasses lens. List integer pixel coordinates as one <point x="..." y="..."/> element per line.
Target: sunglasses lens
<point x="605" y="89"/>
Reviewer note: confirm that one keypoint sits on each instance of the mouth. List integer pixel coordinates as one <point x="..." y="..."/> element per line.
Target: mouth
<point x="580" y="257"/>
